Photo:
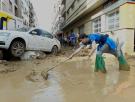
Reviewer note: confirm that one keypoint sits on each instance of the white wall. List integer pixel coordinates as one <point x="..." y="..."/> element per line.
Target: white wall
<point x="15" y="24"/>
<point x="19" y="23"/>
<point x="11" y="25"/>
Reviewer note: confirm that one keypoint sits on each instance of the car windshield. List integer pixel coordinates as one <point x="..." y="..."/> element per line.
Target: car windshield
<point x="23" y="29"/>
<point x="46" y="32"/>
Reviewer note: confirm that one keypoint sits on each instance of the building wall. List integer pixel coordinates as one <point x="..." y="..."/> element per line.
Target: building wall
<point x="58" y="19"/>
<point x="17" y="13"/>
<point x="32" y="16"/>
<point x="25" y="11"/>
<point x="127" y="15"/>
<point x="126" y="22"/>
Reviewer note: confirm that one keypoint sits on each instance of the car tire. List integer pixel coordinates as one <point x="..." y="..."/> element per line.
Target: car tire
<point x="54" y="50"/>
<point x="17" y="48"/>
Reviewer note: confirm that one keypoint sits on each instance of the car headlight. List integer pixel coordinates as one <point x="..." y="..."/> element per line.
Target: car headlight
<point x="4" y="34"/>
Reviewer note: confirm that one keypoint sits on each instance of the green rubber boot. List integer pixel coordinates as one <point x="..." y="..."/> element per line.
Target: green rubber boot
<point x="123" y="65"/>
<point x="100" y="64"/>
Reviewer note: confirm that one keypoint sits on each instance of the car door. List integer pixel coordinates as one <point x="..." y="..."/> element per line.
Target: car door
<point x="48" y="41"/>
<point x="35" y="39"/>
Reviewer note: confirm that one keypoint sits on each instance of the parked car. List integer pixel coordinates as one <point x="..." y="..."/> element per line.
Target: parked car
<point x="17" y="42"/>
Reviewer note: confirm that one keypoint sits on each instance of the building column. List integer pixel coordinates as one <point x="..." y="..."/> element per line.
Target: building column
<point x="103" y="23"/>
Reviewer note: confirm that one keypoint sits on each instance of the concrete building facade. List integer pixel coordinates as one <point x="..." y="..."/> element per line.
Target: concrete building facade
<point x="25" y="11"/>
<point x="103" y="16"/>
<point x="15" y="14"/>
<point x="58" y="19"/>
<point x="32" y="16"/>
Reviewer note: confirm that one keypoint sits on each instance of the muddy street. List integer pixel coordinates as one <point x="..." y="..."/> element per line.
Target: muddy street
<point x="74" y="81"/>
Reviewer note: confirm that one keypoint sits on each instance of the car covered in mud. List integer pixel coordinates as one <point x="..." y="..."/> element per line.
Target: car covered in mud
<point x="15" y="43"/>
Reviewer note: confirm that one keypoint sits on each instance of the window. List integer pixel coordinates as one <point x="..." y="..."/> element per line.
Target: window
<point x="16" y="2"/>
<point x="97" y="25"/>
<point x="108" y="3"/>
<point x="4" y="7"/>
<point x="36" y="32"/>
<point x="10" y="6"/>
<point x="113" y="20"/>
<point x="59" y="18"/>
<point x="16" y="11"/>
<point x="59" y="9"/>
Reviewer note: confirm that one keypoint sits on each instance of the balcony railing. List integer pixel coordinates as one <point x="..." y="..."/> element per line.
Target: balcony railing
<point x="83" y="9"/>
<point x="63" y="10"/>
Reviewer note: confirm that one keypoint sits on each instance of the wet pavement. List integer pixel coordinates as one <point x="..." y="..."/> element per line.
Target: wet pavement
<point x="74" y="81"/>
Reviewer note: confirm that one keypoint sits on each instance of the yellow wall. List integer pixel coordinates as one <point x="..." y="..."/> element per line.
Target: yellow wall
<point x="127" y="16"/>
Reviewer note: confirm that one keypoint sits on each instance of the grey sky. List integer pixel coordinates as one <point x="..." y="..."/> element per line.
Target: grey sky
<point x="44" y="12"/>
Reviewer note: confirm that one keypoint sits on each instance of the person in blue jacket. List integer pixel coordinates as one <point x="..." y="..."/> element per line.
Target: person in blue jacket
<point x="105" y="45"/>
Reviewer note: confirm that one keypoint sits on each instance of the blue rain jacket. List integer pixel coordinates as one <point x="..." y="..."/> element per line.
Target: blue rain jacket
<point x="101" y="40"/>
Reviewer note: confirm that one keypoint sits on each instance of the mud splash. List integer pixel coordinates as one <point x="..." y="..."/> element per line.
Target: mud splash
<point x="74" y="81"/>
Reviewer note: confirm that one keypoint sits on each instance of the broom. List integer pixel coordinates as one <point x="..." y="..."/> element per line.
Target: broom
<point x="45" y="74"/>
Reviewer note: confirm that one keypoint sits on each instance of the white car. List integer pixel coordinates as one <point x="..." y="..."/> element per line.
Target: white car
<point x="17" y="42"/>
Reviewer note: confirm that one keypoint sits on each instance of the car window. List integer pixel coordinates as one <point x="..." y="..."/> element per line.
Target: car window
<point x="47" y="34"/>
<point x="36" y="32"/>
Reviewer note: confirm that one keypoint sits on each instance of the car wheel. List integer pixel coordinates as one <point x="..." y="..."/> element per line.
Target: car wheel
<point x="54" y="50"/>
<point x="17" y="48"/>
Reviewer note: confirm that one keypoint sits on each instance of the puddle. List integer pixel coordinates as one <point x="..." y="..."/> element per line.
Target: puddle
<point x="73" y="81"/>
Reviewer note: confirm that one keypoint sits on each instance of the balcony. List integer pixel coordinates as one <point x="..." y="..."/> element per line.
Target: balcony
<point x="63" y="2"/>
<point x="63" y="10"/>
<point x="62" y="25"/>
<point x="84" y="8"/>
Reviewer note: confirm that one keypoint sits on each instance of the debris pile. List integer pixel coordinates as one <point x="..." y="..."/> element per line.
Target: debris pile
<point x="31" y="55"/>
<point x="84" y="52"/>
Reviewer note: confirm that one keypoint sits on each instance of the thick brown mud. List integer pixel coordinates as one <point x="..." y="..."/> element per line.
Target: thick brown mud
<point x="74" y="81"/>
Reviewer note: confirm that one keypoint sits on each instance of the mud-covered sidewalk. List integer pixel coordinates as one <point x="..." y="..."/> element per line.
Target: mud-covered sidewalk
<point x="74" y="81"/>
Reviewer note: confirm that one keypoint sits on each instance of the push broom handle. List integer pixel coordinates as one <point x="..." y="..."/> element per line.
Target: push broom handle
<point x="70" y="58"/>
<point x="58" y="64"/>
<point x="91" y="53"/>
<point x="66" y="59"/>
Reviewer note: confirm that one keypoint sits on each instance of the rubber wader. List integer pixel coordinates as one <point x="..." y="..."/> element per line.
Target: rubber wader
<point x="123" y="65"/>
<point x="100" y="64"/>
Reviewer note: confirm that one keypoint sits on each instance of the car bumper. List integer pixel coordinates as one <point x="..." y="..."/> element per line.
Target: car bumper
<point x="3" y="44"/>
